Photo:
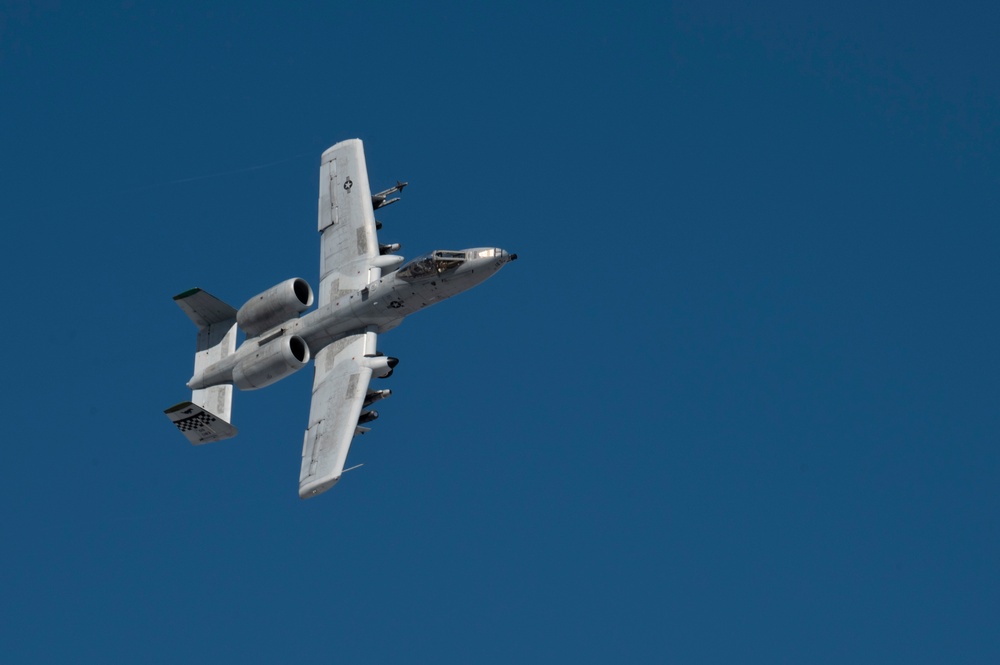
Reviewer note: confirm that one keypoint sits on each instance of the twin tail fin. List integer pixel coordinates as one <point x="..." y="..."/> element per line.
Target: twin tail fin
<point x="207" y="416"/>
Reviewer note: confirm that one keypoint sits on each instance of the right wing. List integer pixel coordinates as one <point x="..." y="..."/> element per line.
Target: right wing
<point x="349" y="244"/>
<point x="340" y="386"/>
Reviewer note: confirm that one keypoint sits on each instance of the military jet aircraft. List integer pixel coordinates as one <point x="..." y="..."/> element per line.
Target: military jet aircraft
<point x="365" y="289"/>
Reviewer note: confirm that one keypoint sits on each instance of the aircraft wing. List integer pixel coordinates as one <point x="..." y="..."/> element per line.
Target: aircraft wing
<point x="349" y="244"/>
<point x="339" y="389"/>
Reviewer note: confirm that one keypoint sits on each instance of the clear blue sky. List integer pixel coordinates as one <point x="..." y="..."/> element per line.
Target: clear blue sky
<point x="737" y="402"/>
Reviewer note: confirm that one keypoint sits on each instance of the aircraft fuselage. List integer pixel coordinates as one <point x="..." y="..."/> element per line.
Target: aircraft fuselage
<point x="382" y="305"/>
<point x="387" y="301"/>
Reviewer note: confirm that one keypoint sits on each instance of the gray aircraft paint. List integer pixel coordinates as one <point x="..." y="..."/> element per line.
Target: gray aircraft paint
<point x="364" y="290"/>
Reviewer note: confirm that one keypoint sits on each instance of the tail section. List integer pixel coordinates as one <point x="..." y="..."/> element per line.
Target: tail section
<point x="198" y="425"/>
<point x="206" y="417"/>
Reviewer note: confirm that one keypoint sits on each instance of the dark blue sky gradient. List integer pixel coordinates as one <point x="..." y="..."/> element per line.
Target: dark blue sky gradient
<point x="737" y="402"/>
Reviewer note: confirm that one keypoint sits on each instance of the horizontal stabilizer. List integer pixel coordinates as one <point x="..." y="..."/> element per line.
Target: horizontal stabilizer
<point x="203" y="308"/>
<point x="198" y="425"/>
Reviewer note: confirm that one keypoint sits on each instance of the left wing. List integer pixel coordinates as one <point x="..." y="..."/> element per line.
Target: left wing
<point x="349" y="244"/>
<point x="340" y="386"/>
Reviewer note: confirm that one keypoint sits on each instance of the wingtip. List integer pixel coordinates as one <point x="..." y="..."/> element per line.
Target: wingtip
<point x="310" y="489"/>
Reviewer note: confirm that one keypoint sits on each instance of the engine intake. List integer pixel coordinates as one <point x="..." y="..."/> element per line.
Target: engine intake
<point x="274" y="306"/>
<point x="271" y="362"/>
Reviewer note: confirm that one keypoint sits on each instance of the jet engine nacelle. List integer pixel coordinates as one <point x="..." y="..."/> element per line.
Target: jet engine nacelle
<point x="274" y="306"/>
<point x="271" y="362"/>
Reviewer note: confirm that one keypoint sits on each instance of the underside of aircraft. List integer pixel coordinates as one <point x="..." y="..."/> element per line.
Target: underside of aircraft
<point x="365" y="289"/>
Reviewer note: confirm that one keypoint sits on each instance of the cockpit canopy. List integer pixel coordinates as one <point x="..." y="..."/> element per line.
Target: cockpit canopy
<point x="432" y="264"/>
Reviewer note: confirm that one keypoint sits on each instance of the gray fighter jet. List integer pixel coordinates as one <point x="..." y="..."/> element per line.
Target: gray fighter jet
<point x="364" y="290"/>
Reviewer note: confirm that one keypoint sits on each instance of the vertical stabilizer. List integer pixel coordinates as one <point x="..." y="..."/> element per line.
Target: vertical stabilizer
<point x="216" y="323"/>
